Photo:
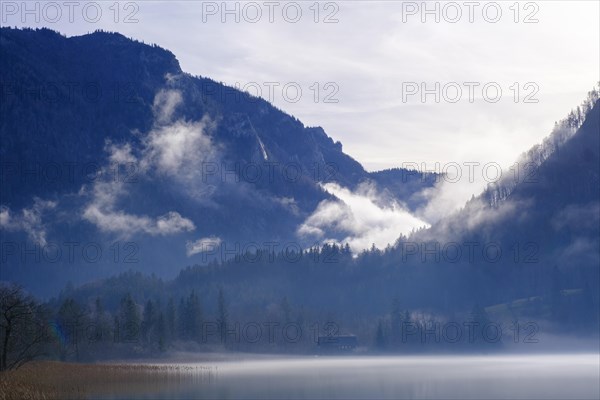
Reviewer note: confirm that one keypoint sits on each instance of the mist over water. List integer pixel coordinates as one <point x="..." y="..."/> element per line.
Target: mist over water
<point x="552" y="376"/>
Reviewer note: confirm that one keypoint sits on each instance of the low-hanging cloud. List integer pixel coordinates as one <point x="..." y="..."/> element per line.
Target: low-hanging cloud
<point x="577" y="218"/>
<point x="359" y="218"/>
<point x="103" y="213"/>
<point x="202" y="245"/>
<point x="172" y="148"/>
<point x="447" y="197"/>
<point x="179" y="149"/>
<point x="165" y="103"/>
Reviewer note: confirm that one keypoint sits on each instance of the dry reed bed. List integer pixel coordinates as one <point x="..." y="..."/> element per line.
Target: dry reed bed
<point x="56" y="380"/>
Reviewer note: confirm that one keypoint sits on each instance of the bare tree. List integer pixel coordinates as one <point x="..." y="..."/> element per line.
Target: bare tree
<point x="22" y="328"/>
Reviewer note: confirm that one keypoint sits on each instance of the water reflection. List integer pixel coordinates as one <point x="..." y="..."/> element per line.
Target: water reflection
<point x="424" y="377"/>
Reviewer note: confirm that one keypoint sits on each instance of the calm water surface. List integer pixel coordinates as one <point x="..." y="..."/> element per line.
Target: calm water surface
<point x="420" y="377"/>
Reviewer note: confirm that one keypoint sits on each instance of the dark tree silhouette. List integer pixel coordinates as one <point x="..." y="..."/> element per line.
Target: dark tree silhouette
<point x="22" y="328"/>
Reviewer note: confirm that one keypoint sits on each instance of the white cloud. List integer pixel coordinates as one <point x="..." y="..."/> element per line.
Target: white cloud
<point x="475" y="215"/>
<point x="360" y="218"/>
<point x="102" y="212"/>
<point x="29" y="220"/>
<point x="202" y="245"/>
<point x="447" y="197"/>
<point x="120" y="155"/>
<point x="174" y="149"/>
<point x="166" y="102"/>
<point x="173" y="222"/>
<point x="109" y="220"/>
<point x="5" y="218"/>
<point x="289" y="203"/>
<point x="115" y="221"/>
<point x="180" y="148"/>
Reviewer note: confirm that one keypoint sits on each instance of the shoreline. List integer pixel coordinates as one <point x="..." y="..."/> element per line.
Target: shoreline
<point x="170" y="378"/>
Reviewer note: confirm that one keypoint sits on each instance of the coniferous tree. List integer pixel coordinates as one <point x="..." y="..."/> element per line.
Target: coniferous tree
<point x="161" y="331"/>
<point x="70" y="320"/>
<point x="479" y="321"/>
<point x="222" y="315"/>
<point x="194" y="316"/>
<point x="182" y="320"/>
<point x="171" y="327"/>
<point x="101" y="322"/>
<point x="149" y="318"/>
<point x="397" y="321"/>
<point x="129" y="319"/>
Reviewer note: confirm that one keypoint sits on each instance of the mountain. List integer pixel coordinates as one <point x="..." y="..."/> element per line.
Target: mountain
<point x="535" y="235"/>
<point x="108" y="144"/>
<point x="527" y="259"/>
<point x="114" y="159"/>
<point x="552" y="199"/>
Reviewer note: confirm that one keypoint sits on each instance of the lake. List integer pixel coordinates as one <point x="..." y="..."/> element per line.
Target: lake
<point x="537" y="376"/>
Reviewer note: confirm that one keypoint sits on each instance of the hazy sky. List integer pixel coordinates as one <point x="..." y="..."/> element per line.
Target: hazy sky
<point x="368" y="57"/>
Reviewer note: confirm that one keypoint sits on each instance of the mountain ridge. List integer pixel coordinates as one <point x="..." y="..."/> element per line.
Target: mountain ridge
<point x="135" y="146"/>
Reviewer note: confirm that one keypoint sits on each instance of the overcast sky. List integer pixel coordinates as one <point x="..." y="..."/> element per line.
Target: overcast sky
<point x="374" y="54"/>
